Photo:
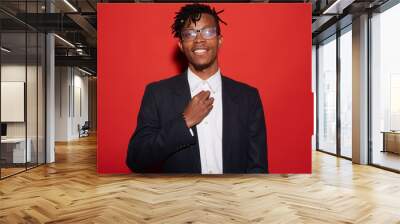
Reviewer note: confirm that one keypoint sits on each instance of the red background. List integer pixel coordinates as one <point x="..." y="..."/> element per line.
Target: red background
<point x="265" y="45"/>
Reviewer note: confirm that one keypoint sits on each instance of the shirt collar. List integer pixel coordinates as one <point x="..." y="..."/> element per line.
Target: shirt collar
<point x="214" y="81"/>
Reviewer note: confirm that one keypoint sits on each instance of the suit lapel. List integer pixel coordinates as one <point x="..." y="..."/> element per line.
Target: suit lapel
<point x="230" y="112"/>
<point x="229" y="119"/>
<point x="181" y="99"/>
<point x="182" y="93"/>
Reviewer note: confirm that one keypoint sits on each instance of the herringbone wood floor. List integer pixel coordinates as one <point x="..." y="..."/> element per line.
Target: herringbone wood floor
<point x="70" y="191"/>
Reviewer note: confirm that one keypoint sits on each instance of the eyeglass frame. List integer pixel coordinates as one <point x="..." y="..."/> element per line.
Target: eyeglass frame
<point x="201" y="33"/>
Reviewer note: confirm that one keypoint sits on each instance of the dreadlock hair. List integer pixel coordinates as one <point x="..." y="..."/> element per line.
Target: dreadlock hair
<point x="193" y="13"/>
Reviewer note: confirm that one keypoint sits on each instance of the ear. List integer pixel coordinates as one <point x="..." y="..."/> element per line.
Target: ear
<point x="220" y="40"/>
<point x="180" y="45"/>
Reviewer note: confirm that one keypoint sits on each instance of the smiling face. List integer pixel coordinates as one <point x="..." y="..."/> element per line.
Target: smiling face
<point x="201" y="53"/>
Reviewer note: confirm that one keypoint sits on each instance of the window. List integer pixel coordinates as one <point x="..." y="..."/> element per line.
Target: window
<point x="346" y="93"/>
<point x="385" y="88"/>
<point x="327" y="95"/>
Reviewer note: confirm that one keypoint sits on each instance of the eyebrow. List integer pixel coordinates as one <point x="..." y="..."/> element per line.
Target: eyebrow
<point x="199" y="29"/>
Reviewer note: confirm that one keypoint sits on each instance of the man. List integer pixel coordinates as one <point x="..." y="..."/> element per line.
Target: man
<point x="199" y="121"/>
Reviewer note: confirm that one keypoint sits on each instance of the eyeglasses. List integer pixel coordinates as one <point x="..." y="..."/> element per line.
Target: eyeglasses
<point x="206" y="33"/>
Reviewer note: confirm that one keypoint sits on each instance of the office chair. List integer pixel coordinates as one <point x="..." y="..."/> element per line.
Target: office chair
<point x="84" y="130"/>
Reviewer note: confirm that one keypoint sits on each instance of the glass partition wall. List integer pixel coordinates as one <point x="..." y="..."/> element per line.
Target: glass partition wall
<point x="327" y="95"/>
<point x="334" y="94"/>
<point x="22" y="88"/>
<point x="334" y="90"/>
<point x="385" y="89"/>
<point x="345" y="93"/>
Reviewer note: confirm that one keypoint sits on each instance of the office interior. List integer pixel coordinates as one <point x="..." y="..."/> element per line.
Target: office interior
<point x="49" y="74"/>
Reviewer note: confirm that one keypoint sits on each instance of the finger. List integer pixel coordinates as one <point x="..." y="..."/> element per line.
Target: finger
<point x="209" y="101"/>
<point x="205" y="95"/>
<point x="198" y="96"/>
<point x="200" y="93"/>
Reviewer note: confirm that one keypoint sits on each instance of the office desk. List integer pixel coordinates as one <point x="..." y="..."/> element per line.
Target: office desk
<point x="15" y="148"/>
<point x="391" y="141"/>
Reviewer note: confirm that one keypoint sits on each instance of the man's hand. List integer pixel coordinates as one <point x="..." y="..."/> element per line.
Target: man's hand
<point x="198" y="108"/>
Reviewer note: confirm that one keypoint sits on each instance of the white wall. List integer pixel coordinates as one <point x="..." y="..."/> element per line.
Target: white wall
<point x="71" y="93"/>
<point x="62" y="78"/>
<point x="81" y="102"/>
<point x="16" y="73"/>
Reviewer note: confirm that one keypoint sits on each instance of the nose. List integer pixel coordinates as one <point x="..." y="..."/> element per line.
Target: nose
<point x="199" y="37"/>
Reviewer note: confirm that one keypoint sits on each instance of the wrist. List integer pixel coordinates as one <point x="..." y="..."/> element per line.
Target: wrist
<point x="186" y="120"/>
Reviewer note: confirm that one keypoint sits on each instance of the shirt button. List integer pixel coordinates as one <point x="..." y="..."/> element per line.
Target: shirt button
<point x="210" y="172"/>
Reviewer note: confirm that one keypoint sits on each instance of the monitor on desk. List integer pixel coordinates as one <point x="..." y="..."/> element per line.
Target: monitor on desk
<point x="3" y="130"/>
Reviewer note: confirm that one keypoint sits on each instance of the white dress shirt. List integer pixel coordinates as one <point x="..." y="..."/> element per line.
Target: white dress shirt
<point x="209" y="130"/>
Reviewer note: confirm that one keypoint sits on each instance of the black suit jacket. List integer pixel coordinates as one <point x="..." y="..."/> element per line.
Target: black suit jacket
<point x="162" y="137"/>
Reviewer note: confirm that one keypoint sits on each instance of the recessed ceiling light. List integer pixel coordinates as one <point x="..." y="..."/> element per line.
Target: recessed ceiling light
<point x="5" y="50"/>
<point x="84" y="71"/>
<point x="337" y="7"/>
<point x="70" y="5"/>
<point x="64" y="40"/>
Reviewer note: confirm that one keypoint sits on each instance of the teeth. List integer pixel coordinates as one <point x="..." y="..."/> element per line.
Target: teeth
<point x="200" y="51"/>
